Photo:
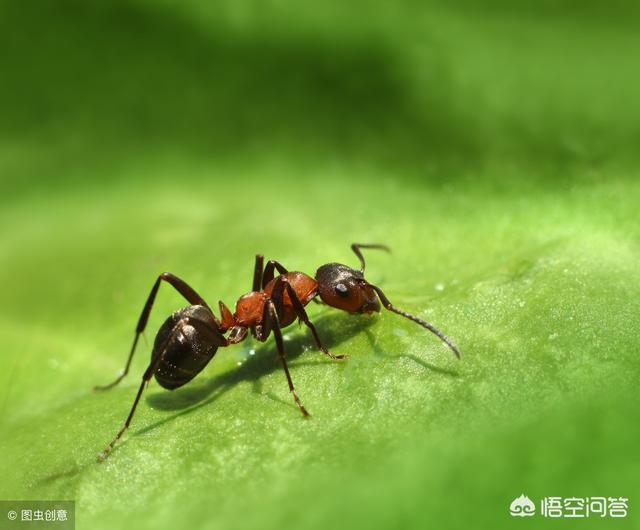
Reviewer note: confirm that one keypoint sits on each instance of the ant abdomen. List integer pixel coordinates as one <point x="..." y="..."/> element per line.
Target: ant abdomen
<point x="189" y="341"/>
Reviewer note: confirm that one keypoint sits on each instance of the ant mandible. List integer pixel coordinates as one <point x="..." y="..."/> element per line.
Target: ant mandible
<point x="190" y="337"/>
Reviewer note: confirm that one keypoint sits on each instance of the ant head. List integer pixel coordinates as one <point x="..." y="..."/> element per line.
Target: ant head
<point x="345" y="288"/>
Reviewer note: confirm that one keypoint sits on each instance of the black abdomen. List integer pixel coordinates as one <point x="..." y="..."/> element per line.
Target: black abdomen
<point x="188" y="340"/>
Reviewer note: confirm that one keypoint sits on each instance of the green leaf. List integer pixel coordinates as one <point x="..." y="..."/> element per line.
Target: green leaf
<point x="487" y="149"/>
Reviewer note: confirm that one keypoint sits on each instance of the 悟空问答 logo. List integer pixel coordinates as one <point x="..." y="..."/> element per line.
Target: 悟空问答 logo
<point x="522" y="507"/>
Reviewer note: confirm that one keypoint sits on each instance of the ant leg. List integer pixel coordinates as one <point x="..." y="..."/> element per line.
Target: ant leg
<point x="276" y="293"/>
<point x="356" y="250"/>
<point x="257" y="272"/>
<point x="257" y="281"/>
<point x="302" y="315"/>
<point x="153" y="366"/>
<point x="179" y="285"/>
<point x="268" y="271"/>
<point x="272" y="323"/>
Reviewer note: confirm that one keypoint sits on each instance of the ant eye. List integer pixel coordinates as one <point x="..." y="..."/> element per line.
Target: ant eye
<point x="342" y="290"/>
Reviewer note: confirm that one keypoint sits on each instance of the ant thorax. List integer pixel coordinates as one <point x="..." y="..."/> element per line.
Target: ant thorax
<point x="250" y="308"/>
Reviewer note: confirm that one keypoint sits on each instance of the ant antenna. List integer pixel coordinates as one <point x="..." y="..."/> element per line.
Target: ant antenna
<point x="385" y="301"/>
<point x="356" y="249"/>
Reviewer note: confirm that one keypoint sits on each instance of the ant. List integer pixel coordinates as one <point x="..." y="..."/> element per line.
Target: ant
<point x="190" y="337"/>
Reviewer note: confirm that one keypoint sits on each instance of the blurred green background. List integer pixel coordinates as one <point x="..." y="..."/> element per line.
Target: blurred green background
<point x="492" y="146"/>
